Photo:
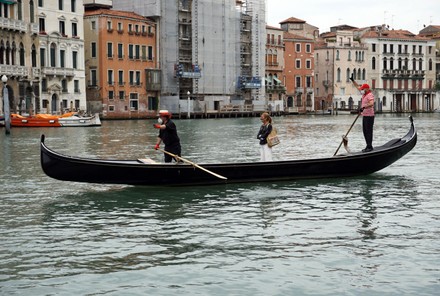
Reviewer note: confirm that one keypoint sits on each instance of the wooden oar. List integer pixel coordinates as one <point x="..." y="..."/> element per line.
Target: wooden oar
<point x="345" y="137"/>
<point x="192" y="163"/>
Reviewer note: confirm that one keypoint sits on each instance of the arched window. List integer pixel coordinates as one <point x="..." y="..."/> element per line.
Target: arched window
<point x="384" y="101"/>
<point x="357" y="56"/>
<point x="406" y="63"/>
<point x="363" y="55"/>
<point x="430" y="65"/>
<point x="2" y="53"/>
<point x="414" y="64"/>
<point x="328" y="55"/>
<point x="364" y="75"/>
<point x="349" y="55"/>
<point x="19" y="10"/>
<point x="13" y="53"/>
<point x="31" y="11"/>
<point x="391" y="63"/>
<point x="420" y="64"/>
<point x="337" y="55"/>
<point x="21" y="54"/>
<point x="359" y="74"/>
<point x="275" y="57"/>
<point x="385" y="63"/>
<point x="348" y="74"/>
<point x="373" y="63"/>
<point x="8" y="53"/>
<point x="53" y="54"/>
<point x="34" y="56"/>
<point x="338" y="75"/>
<point x="354" y="74"/>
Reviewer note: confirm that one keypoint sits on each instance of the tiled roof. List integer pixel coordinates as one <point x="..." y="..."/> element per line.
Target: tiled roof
<point x="273" y="28"/>
<point x="292" y="20"/>
<point x="393" y="34"/>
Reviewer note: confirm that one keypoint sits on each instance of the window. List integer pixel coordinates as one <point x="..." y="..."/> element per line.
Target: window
<point x="121" y="77"/>
<point x="298" y="64"/>
<point x="110" y="77"/>
<point x="42" y="57"/>
<point x="40" y="3"/>
<point x="34" y="56"/>
<point x="384" y="48"/>
<point x="144" y="52"/>
<point x="111" y="95"/>
<point x="298" y="47"/>
<point x="109" y="50"/>
<point x="337" y="55"/>
<point x="391" y="48"/>
<point x="150" y="53"/>
<point x="309" y="81"/>
<point x="373" y="47"/>
<point x="121" y="95"/>
<point x="349" y="55"/>
<point x="109" y="26"/>
<point x="130" y="28"/>
<point x="44" y="85"/>
<point x="93" y="81"/>
<point x="93" y="25"/>
<point x="131" y="77"/>
<point x="75" y="59"/>
<point x="338" y="75"/>
<point x="130" y="51"/>
<point x="430" y="65"/>
<point x="373" y="63"/>
<point x="137" y="52"/>
<point x="73" y="5"/>
<point x="308" y="64"/>
<point x="53" y="50"/>
<point x="76" y="86"/>
<point x="93" y="45"/>
<point x="120" y="51"/>
<point x="21" y="53"/>
<point x="120" y="28"/>
<point x="62" y="28"/>
<point x="111" y="108"/>
<point x="298" y="81"/>
<point x="74" y="29"/>
<point x="64" y="85"/>
<point x="42" y="25"/>
<point x="62" y="58"/>
<point x="60" y="4"/>
<point x="138" y="77"/>
<point x="308" y="48"/>
<point x="134" y="103"/>
<point x="136" y="28"/>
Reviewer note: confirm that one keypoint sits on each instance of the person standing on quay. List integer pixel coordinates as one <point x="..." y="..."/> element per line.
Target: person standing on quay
<point x="167" y="135"/>
<point x="263" y="133"/>
<point x="367" y="111"/>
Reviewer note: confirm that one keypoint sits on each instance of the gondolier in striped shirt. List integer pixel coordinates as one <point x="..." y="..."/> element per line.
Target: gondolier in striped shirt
<point x="167" y="135"/>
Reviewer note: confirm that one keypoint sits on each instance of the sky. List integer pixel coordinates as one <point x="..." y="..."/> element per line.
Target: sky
<point x="408" y="15"/>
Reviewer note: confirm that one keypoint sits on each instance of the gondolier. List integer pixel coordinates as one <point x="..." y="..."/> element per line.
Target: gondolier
<point x="367" y="111"/>
<point x="167" y="135"/>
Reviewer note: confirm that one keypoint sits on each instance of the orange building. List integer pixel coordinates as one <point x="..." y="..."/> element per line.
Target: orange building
<point x="298" y="72"/>
<point x="122" y="76"/>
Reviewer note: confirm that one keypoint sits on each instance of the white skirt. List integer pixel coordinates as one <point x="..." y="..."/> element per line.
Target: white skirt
<point x="265" y="153"/>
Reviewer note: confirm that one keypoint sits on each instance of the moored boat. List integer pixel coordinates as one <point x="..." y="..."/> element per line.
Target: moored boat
<point x="48" y="120"/>
<point x="139" y="172"/>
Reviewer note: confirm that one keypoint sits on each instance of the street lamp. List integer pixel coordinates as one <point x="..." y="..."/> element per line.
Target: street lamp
<point x="6" y="105"/>
<point x="189" y="113"/>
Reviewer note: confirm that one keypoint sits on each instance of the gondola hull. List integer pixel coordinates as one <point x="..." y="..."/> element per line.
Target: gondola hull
<point x="135" y="172"/>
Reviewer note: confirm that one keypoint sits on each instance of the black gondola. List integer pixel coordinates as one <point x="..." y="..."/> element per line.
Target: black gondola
<point x="135" y="172"/>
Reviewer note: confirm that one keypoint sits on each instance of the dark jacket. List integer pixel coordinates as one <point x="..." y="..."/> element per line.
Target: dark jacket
<point x="263" y="133"/>
<point x="169" y="135"/>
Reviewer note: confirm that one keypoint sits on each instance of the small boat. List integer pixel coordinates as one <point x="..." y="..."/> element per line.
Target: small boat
<point x="47" y="120"/>
<point x="140" y="172"/>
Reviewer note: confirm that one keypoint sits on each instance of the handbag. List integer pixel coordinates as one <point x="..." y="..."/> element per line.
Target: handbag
<point x="272" y="138"/>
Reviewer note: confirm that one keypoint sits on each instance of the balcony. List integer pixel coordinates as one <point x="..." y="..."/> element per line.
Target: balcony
<point x="14" y="70"/>
<point x="14" y="25"/>
<point x="299" y="90"/>
<point x="55" y="71"/>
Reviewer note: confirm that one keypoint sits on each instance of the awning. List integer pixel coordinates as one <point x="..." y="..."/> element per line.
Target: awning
<point x="277" y="80"/>
<point x="8" y="1"/>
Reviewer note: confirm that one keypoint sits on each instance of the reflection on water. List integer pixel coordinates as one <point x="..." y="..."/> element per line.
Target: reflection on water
<point x="368" y="235"/>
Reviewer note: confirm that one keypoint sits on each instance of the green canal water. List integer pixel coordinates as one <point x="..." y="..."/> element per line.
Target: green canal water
<point x="373" y="235"/>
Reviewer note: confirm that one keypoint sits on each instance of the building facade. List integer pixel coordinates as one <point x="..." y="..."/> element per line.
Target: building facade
<point x="123" y="79"/>
<point x="299" y="73"/>
<point x="210" y="51"/>
<point x="18" y="55"/>
<point x="401" y="70"/>
<point x="339" y="54"/>
<point x="61" y="55"/>
<point x="275" y="88"/>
